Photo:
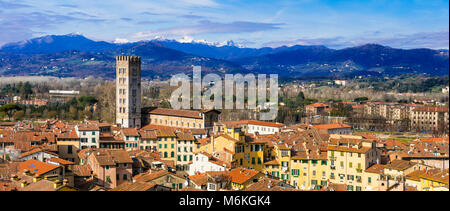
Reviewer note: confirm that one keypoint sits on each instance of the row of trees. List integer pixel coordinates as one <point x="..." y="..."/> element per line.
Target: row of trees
<point x="24" y="90"/>
<point x="76" y="109"/>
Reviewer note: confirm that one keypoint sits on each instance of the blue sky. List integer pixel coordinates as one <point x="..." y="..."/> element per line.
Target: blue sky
<point x="251" y="23"/>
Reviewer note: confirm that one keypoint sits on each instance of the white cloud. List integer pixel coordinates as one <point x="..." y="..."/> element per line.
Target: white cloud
<point x="121" y="40"/>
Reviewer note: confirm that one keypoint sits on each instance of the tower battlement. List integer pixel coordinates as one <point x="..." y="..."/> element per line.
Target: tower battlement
<point x="129" y="58"/>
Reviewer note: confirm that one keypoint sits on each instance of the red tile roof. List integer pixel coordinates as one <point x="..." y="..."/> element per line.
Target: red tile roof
<point x="36" y="167"/>
<point x="242" y="175"/>
<point x="253" y="122"/>
<point x="331" y="126"/>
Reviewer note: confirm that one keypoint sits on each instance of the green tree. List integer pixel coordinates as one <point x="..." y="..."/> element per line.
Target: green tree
<point x="10" y="109"/>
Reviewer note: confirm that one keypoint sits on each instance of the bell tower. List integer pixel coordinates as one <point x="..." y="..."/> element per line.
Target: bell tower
<point x="128" y="91"/>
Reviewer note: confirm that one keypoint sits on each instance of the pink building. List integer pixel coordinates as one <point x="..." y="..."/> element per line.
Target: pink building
<point x="111" y="167"/>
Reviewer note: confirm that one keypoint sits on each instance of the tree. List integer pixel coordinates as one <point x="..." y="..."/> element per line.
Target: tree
<point x="10" y="109"/>
<point x="19" y="115"/>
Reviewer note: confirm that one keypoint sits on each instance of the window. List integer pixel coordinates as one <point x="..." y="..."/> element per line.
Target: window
<point x="350" y="165"/>
<point x="124" y="177"/>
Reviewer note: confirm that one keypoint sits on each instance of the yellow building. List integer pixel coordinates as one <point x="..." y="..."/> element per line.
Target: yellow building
<point x="167" y="145"/>
<point x="279" y="167"/>
<point x="348" y="158"/>
<point x="434" y="180"/>
<point x="249" y="153"/>
<point x="68" y="146"/>
<point x="372" y="178"/>
<point x="309" y="170"/>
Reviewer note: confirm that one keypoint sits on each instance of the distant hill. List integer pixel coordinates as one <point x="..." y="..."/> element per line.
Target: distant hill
<point x="58" y="43"/>
<point x="76" y="56"/>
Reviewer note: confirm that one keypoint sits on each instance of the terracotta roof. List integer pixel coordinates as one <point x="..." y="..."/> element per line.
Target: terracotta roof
<point x="149" y="135"/>
<point x="133" y="132"/>
<point x="204" y="141"/>
<point x="400" y="165"/>
<point x="431" y="109"/>
<point x="253" y="122"/>
<point x="136" y="186"/>
<point x="317" y="105"/>
<point x="35" y="150"/>
<point x="415" y="175"/>
<point x="347" y="149"/>
<point x="61" y="161"/>
<point x="178" y="113"/>
<point x="331" y="126"/>
<point x="110" y="157"/>
<point x="199" y="179"/>
<point x="152" y="176"/>
<point x="377" y="169"/>
<point x="41" y="185"/>
<point x="68" y="135"/>
<point x="438" y="176"/>
<point x="36" y="167"/>
<point x="185" y="136"/>
<point x="88" y="127"/>
<point x="268" y="184"/>
<point x="242" y="175"/>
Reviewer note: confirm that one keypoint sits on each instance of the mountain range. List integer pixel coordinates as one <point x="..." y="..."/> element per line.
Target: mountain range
<point x="74" y="55"/>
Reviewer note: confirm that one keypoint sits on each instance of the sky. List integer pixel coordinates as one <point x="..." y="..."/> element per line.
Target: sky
<point x="250" y="23"/>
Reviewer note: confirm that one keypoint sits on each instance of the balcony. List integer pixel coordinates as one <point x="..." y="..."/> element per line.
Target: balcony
<point x="333" y="167"/>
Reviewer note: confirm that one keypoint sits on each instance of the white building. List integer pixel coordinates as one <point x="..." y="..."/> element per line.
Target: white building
<point x="37" y="154"/>
<point x="204" y="162"/>
<point x="89" y="135"/>
<point x="340" y="82"/>
<point x="254" y="126"/>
